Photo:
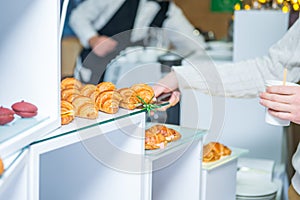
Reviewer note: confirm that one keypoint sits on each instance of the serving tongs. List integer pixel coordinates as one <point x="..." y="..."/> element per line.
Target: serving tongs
<point x="155" y="102"/>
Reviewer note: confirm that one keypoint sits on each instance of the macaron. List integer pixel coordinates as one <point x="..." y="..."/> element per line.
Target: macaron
<point x="25" y="109"/>
<point x="6" y="115"/>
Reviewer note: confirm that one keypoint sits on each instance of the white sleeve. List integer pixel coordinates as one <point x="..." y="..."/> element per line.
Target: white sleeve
<point x="181" y="34"/>
<point x="82" y="18"/>
<point x="246" y="78"/>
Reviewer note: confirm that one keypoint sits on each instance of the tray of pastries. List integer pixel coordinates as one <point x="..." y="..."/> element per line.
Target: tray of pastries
<point x="86" y="100"/>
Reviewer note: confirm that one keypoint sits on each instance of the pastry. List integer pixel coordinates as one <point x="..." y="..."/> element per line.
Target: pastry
<point x="1" y="167"/>
<point x="89" y="90"/>
<point x="144" y="91"/>
<point x="173" y="135"/>
<point x="154" y="140"/>
<point x="84" y="107"/>
<point x="106" y="86"/>
<point x="213" y="151"/>
<point x="159" y="135"/>
<point x="129" y="98"/>
<point x="70" y="82"/>
<point x="108" y="101"/>
<point x="67" y="112"/>
<point x="6" y="115"/>
<point x="67" y="93"/>
<point x="24" y="109"/>
<point x="169" y="134"/>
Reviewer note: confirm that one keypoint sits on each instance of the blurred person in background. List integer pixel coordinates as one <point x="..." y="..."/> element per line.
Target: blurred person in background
<point x="95" y="22"/>
<point x="247" y="79"/>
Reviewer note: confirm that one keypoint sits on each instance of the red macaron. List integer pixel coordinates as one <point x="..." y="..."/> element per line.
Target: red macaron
<point x="6" y="115"/>
<point x="25" y="109"/>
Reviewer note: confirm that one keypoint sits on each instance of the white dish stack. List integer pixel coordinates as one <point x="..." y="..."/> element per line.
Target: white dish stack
<point x="256" y="190"/>
<point x="254" y="180"/>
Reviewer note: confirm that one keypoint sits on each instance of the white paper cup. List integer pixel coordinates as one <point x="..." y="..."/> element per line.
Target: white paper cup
<point x="270" y="119"/>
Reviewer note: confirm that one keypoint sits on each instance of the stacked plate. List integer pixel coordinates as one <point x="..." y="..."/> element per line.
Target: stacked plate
<point x="256" y="190"/>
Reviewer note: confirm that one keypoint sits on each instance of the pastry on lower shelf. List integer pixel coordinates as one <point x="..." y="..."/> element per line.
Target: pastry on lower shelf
<point x="169" y="133"/>
<point x="105" y="86"/>
<point x="154" y="140"/>
<point x="108" y="101"/>
<point x="70" y="82"/>
<point x="213" y="151"/>
<point x="67" y="112"/>
<point x="84" y="107"/>
<point x="159" y="135"/>
<point x="144" y="91"/>
<point x="129" y="98"/>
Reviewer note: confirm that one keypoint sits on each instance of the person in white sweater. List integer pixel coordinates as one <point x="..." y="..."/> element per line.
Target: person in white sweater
<point x="247" y="79"/>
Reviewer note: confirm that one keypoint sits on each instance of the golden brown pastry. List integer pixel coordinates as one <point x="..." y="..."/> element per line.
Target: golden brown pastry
<point x="90" y="90"/>
<point x="154" y="140"/>
<point x="85" y="107"/>
<point x="1" y="167"/>
<point x="129" y="98"/>
<point x="159" y="135"/>
<point x="169" y="134"/>
<point x="70" y="83"/>
<point x="173" y="135"/>
<point x="106" y="86"/>
<point x="214" y="151"/>
<point x="68" y="92"/>
<point x="67" y="112"/>
<point x="144" y="91"/>
<point x="108" y="101"/>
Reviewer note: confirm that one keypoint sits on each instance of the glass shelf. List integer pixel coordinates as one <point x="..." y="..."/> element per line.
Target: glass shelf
<point x="18" y="126"/>
<point x="188" y="136"/>
<point x="80" y="124"/>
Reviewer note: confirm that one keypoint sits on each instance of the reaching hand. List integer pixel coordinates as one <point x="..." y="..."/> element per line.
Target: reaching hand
<point x="102" y="45"/>
<point x="166" y="85"/>
<point x="283" y="102"/>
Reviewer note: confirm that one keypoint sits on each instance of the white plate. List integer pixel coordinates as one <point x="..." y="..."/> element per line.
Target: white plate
<point x="257" y="189"/>
<point x="220" y="45"/>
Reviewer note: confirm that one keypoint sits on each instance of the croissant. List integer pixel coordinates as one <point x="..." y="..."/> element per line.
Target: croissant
<point x="85" y="107"/>
<point x="108" y="101"/>
<point x="214" y="151"/>
<point x="106" y="86"/>
<point x="90" y="90"/>
<point x="67" y="112"/>
<point x="129" y="98"/>
<point x="144" y="91"/>
<point x="67" y="92"/>
<point x="70" y="83"/>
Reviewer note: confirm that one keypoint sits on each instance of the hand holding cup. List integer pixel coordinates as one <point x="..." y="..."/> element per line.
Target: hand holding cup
<point x="282" y="102"/>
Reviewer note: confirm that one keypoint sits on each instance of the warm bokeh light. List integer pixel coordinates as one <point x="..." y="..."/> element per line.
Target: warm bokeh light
<point x="237" y="6"/>
<point x="262" y="1"/>
<point x="247" y="7"/>
<point x="296" y="7"/>
<point x="284" y="5"/>
<point x="285" y="9"/>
